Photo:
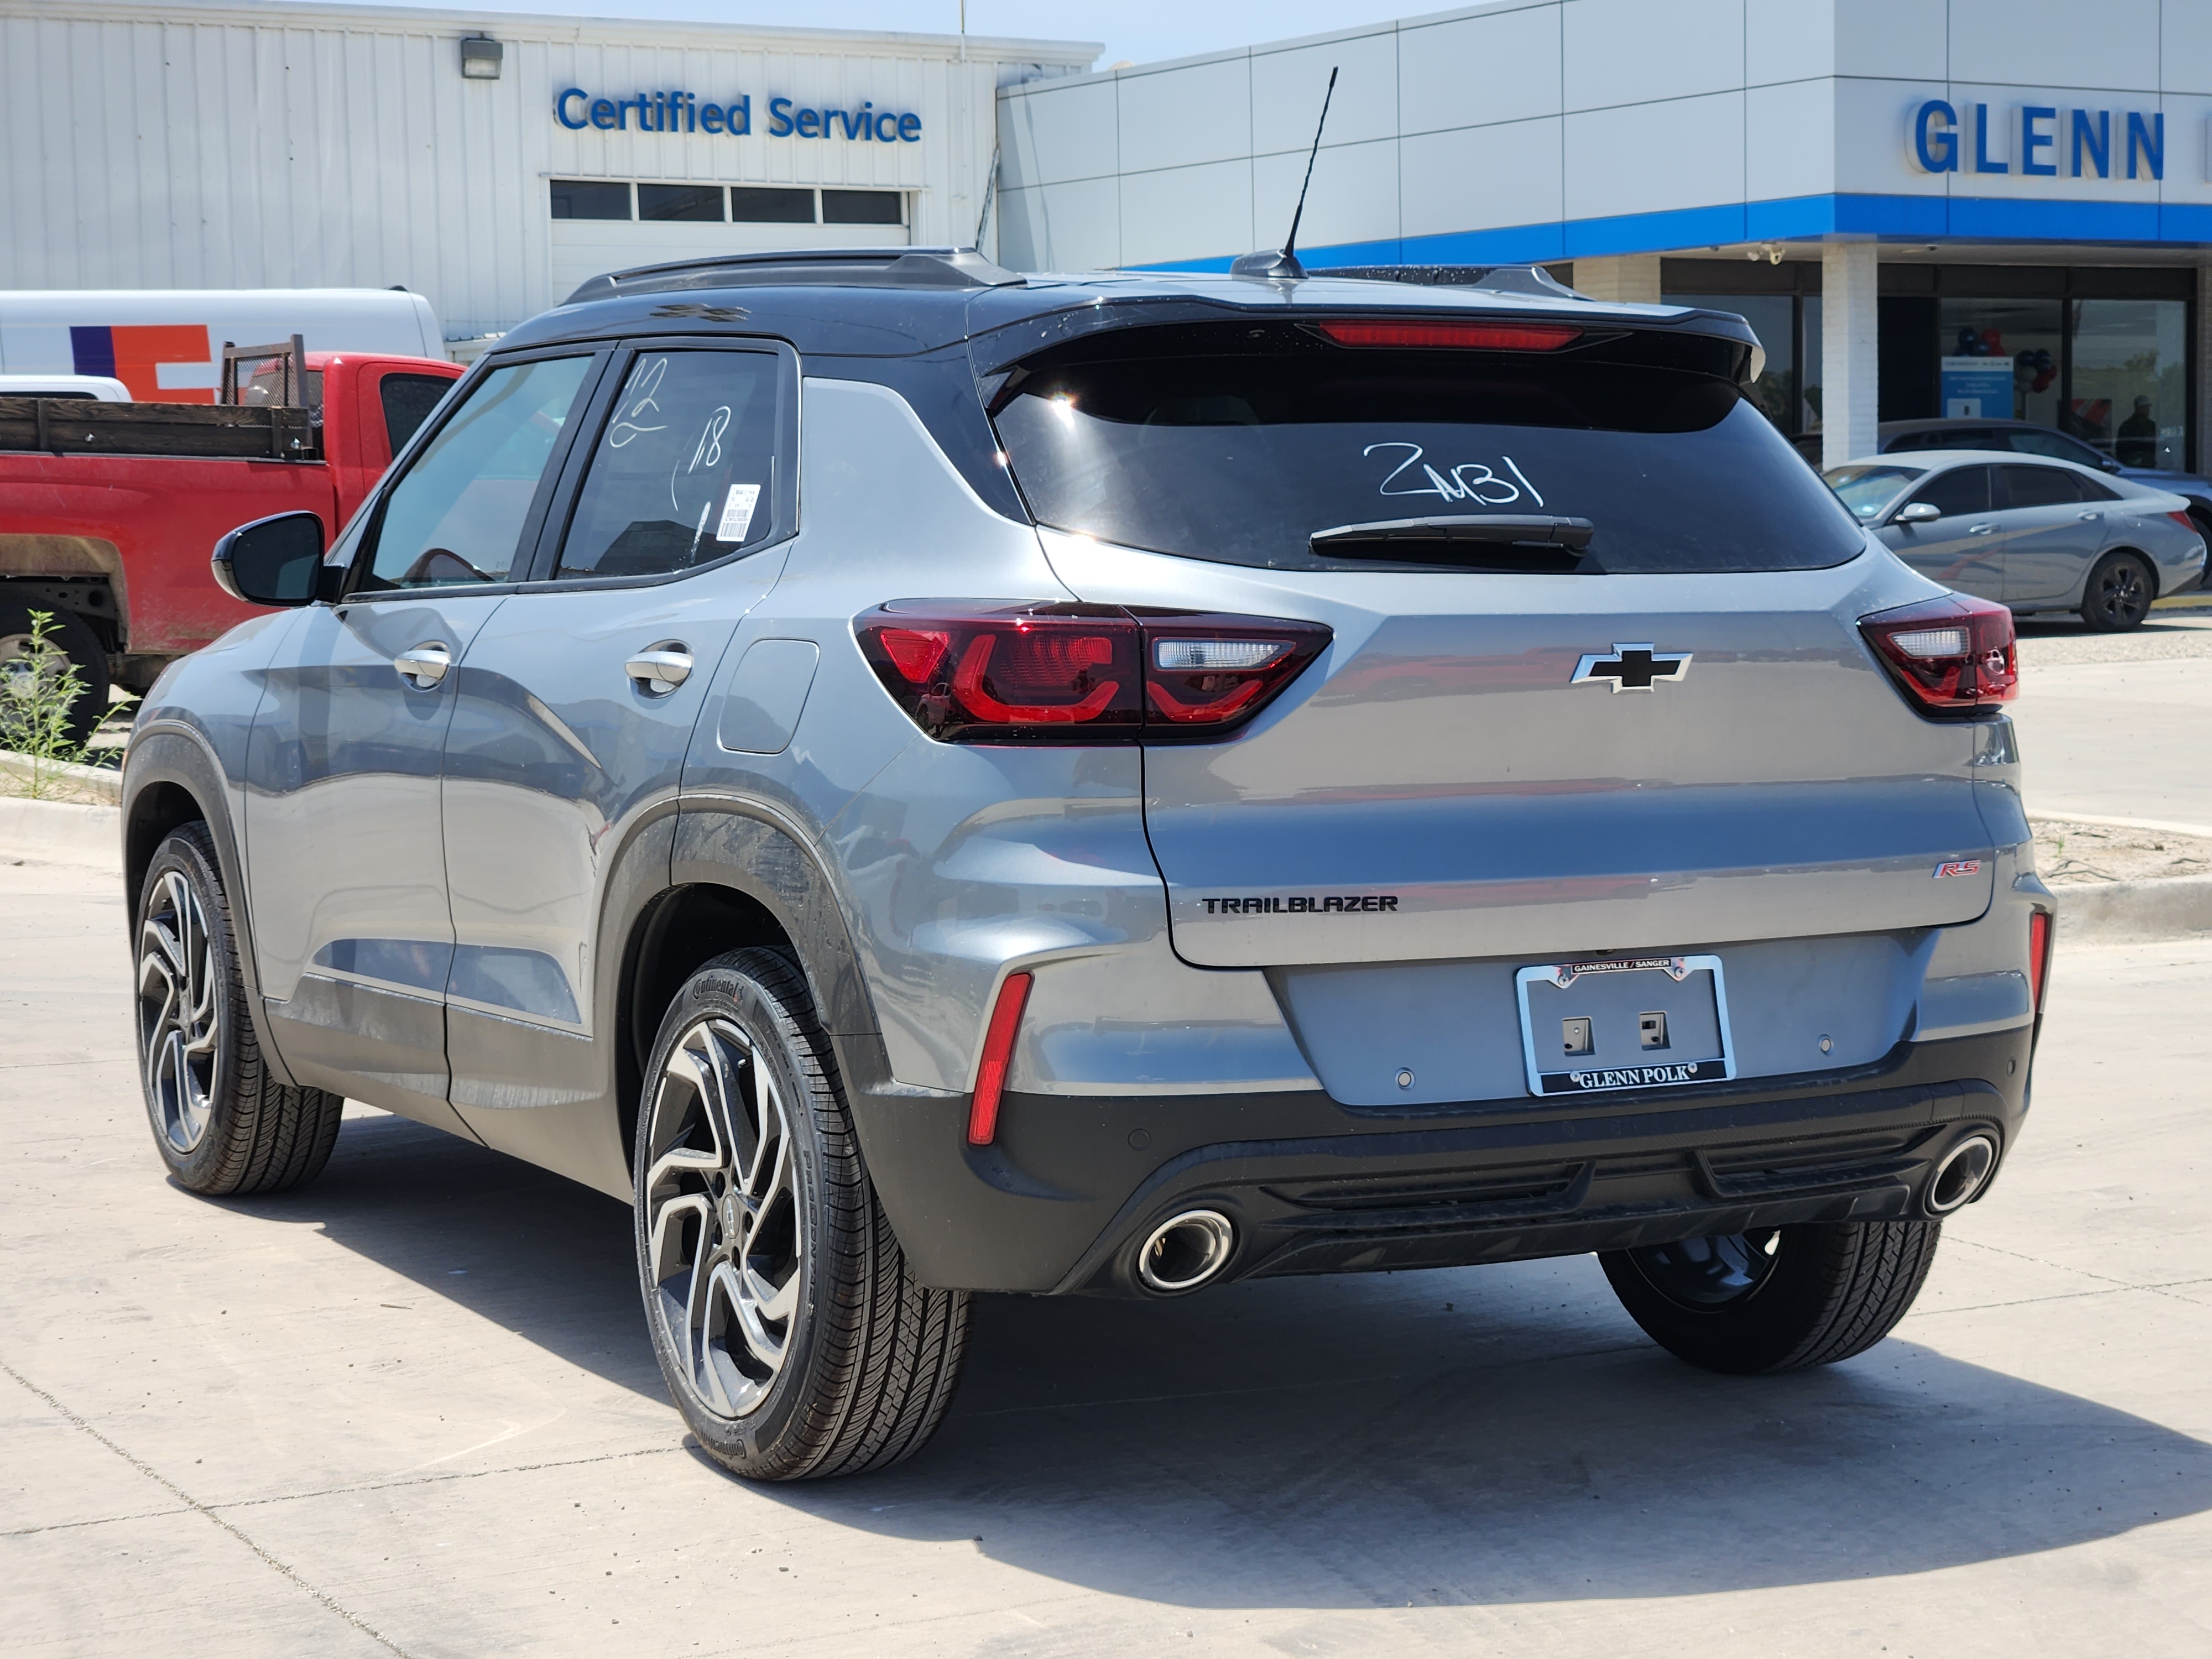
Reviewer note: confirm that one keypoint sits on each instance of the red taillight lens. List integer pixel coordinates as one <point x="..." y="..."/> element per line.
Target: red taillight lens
<point x="1076" y="673"/>
<point x="1461" y="336"/>
<point x="2186" y="522"/>
<point x="2038" y="956"/>
<point x="998" y="1054"/>
<point x="1951" y="655"/>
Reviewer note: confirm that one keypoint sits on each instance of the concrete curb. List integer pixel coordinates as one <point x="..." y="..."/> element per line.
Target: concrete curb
<point x="62" y="832"/>
<point x="2129" y="912"/>
<point x="101" y="783"/>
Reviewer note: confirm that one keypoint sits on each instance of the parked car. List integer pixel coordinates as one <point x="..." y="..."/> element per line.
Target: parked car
<point x="100" y="388"/>
<point x="107" y="508"/>
<point x="2026" y="438"/>
<point x="924" y="781"/>
<point x="2032" y="535"/>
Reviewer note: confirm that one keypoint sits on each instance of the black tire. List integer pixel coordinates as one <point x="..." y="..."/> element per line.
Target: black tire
<point x="791" y="1332"/>
<point x="222" y="1124"/>
<point x="1779" y="1300"/>
<point x="74" y="639"/>
<point x="2118" y="593"/>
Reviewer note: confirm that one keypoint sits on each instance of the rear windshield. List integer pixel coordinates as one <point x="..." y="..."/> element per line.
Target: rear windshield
<point x="1213" y="448"/>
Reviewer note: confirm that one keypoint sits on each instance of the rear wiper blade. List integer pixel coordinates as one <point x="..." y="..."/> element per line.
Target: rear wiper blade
<point x="1531" y="529"/>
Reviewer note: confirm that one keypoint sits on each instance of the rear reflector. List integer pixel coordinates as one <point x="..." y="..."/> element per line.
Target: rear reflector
<point x="2039" y="957"/>
<point x="998" y="1053"/>
<point x="1079" y="673"/>
<point x="1950" y="656"/>
<point x="1461" y="336"/>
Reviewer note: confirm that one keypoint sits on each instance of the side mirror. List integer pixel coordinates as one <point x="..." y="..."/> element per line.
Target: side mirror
<point x="275" y="561"/>
<point x="1918" y="513"/>
<point x="2108" y="464"/>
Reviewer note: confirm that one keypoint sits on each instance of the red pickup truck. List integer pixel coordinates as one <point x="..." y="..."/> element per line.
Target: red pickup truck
<point x="108" y="511"/>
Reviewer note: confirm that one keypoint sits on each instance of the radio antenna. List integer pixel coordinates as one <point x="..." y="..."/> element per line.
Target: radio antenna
<point x="1282" y="263"/>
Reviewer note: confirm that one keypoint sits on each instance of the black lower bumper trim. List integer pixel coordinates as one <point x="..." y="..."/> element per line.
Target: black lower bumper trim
<point x="1059" y="1203"/>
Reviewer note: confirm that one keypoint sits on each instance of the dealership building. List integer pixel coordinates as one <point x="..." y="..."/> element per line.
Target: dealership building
<point x="1978" y="207"/>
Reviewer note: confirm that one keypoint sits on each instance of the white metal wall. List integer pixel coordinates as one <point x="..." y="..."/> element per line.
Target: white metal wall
<point x="192" y="144"/>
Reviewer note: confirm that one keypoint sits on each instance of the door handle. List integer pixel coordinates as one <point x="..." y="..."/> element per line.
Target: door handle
<point x="425" y="665"/>
<point x="658" y="672"/>
<point x="1980" y="529"/>
<point x="2088" y="518"/>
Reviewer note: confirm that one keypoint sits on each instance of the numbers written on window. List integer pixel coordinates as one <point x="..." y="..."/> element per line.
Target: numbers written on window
<point x="684" y="472"/>
<point x="455" y="518"/>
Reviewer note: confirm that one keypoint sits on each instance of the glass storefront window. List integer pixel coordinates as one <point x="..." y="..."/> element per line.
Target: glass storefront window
<point x="1808" y="392"/>
<point x="1772" y="317"/>
<point x="1976" y="337"/>
<point x="2131" y="379"/>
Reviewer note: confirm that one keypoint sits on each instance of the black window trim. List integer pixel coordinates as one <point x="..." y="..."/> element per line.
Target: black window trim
<point x="553" y="529"/>
<point x="368" y="521"/>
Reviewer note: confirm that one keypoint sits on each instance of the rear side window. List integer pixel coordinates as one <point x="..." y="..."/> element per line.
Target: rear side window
<point x="1239" y="445"/>
<point x="684" y="472"/>
<point x="407" y="400"/>
<point x="2041" y="486"/>
<point x="1962" y="490"/>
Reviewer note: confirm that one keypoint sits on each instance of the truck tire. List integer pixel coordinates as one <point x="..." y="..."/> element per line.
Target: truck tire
<point x="791" y="1332"/>
<point x="222" y="1124"/>
<point x="1780" y="1299"/>
<point x="75" y="640"/>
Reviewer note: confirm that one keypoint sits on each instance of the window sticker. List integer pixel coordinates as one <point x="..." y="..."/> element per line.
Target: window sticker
<point x="737" y="513"/>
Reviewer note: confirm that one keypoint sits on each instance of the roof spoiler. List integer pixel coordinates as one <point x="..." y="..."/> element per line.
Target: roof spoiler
<point x="866" y="267"/>
<point x="1533" y="280"/>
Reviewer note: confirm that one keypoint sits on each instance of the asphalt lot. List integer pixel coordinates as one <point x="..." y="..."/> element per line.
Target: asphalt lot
<point x="412" y="1409"/>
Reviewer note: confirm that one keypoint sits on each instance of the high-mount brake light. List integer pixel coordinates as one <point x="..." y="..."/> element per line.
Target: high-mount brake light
<point x="1079" y="673"/>
<point x="1460" y="337"/>
<point x="1950" y="656"/>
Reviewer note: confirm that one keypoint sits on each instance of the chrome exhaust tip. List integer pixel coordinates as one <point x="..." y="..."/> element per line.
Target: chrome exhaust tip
<point x="1959" y="1174"/>
<point x="1185" y="1251"/>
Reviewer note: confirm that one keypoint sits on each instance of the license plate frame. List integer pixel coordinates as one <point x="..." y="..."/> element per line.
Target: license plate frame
<point x="1624" y="981"/>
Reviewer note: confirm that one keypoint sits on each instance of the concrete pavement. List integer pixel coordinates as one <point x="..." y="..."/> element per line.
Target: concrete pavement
<point x="412" y="1408"/>
<point x="2110" y="724"/>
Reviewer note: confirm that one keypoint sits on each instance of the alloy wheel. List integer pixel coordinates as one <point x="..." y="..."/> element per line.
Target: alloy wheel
<point x="179" y="1014"/>
<point x="2121" y="597"/>
<point x="1706" y="1274"/>
<point x="723" y="1225"/>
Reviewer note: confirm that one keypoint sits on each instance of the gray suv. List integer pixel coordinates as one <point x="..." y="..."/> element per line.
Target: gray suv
<point x="925" y="781"/>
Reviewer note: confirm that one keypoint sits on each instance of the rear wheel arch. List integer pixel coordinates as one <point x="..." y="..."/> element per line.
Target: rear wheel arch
<point x="738" y="878"/>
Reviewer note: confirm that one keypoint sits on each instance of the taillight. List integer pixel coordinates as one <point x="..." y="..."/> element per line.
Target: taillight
<point x="2039" y="957"/>
<point x="1951" y="655"/>
<point x="1079" y="673"/>
<point x="2186" y="522"/>
<point x="1463" y="336"/>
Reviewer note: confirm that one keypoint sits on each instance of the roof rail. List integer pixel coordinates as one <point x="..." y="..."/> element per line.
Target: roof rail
<point x="846" y="267"/>
<point x="1498" y="279"/>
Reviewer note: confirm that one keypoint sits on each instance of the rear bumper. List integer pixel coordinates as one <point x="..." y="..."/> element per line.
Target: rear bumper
<point x="1070" y="1188"/>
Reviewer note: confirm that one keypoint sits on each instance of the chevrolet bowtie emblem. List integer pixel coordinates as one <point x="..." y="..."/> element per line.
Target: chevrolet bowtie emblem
<point x="1633" y="667"/>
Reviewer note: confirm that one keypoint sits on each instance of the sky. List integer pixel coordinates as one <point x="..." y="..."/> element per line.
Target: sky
<point x="1137" y="30"/>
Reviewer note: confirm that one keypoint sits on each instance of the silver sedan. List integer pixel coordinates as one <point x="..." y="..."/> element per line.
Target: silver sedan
<point x="2030" y="533"/>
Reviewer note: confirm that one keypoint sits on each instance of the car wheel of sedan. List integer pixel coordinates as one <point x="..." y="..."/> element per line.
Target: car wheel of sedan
<point x="1776" y="1299"/>
<point x="223" y="1125"/>
<point x="791" y="1332"/>
<point x="2118" y="595"/>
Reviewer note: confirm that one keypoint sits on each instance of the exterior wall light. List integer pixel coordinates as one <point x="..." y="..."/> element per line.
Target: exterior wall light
<point x="480" y="58"/>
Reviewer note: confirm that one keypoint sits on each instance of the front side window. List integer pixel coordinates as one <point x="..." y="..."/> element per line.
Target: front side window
<point x="684" y="472"/>
<point x="1964" y="489"/>
<point x="456" y="516"/>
